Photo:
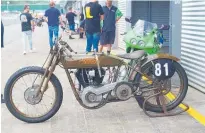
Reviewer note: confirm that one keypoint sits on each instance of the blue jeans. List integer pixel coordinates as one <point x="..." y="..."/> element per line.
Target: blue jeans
<point x="27" y="35"/>
<point x="53" y="30"/>
<point x="72" y="27"/>
<point x="92" y="40"/>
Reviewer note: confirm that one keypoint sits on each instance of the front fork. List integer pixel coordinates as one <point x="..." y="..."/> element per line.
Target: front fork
<point x="49" y="69"/>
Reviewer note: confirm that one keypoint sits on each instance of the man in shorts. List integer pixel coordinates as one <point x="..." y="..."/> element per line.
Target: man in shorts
<point x="111" y="16"/>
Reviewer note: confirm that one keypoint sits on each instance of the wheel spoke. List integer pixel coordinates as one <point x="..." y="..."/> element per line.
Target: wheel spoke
<point x="49" y="96"/>
<point x="37" y="110"/>
<point x="30" y="77"/>
<point x="27" y="108"/>
<point x="24" y="82"/>
<point x="44" y="105"/>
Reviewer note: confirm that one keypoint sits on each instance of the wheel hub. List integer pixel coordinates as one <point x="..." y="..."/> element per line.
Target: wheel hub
<point x="30" y="95"/>
<point x="162" y="86"/>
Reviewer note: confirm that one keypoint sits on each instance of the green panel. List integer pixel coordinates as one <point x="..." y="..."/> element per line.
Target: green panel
<point x="20" y="7"/>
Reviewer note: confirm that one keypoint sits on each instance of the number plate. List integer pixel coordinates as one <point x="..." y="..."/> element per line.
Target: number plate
<point x="163" y="69"/>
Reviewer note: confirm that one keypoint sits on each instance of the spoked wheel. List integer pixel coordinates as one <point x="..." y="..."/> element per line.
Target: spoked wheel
<point x="173" y="89"/>
<point x="21" y="100"/>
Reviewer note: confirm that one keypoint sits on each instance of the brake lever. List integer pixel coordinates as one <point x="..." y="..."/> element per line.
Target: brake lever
<point x="123" y="33"/>
<point x="70" y="49"/>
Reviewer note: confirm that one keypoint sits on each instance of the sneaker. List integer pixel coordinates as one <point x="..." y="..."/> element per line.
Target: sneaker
<point x="32" y="50"/>
<point x="2" y="99"/>
<point x="24" y="52"/>
<point x="71" y="37"/>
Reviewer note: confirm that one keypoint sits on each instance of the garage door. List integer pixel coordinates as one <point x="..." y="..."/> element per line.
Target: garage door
<point x="140" y="10"/>
<point x="193" y="42"/>
<point x="160" y="15"/>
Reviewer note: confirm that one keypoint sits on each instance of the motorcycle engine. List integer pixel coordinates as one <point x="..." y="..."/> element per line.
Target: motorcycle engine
<point x="90" y="77"/>
<point x="94" y="92"/>
<point x="91" y="81"/>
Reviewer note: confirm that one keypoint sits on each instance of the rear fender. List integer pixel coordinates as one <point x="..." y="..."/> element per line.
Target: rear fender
<point x="160" y="56"/>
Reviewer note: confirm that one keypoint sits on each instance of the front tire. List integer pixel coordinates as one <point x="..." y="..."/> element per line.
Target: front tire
<point x="15" y="111"/>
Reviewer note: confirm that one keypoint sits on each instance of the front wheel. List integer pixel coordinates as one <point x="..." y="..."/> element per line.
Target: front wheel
<point x="21" y="102"/>
<point x="177" y="86"/>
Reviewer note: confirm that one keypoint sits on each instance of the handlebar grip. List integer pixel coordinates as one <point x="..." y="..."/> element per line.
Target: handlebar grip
<point x="123" y="33"/>
<point x="69" y="48"/>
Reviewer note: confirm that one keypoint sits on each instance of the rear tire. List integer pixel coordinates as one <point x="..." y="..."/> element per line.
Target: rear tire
<point x="12" y="108"/>
<point x="180" y="98"/>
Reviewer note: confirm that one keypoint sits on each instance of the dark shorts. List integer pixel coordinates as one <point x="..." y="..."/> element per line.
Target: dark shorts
<point x="72" y="27"/>
<point x="107" y="37"/>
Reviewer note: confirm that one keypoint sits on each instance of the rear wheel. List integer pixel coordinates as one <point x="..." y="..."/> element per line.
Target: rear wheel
<point x="178" y="86"/>
<point x="20" y="96"/>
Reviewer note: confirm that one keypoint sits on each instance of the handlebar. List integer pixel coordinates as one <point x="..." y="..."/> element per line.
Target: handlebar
<point x="66" y="45"/>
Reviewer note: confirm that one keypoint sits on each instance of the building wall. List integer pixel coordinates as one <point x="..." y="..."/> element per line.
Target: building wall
<point x="125" y="7"/>
<point x="193" y="42"/>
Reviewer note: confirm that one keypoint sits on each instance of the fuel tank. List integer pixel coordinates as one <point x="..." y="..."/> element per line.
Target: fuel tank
<point x="89" y="61"/>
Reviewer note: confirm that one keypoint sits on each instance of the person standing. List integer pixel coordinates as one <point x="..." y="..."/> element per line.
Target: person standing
<point x="71" y="20"/>
<point x="27" y="26"/>
<point x="2" y="35"/>
<point x="52" y="17"/>
<point x="112" y="15"/>
<point x="94" y="14"/>
<point x="82" y="25"/>
<point x="2" y="46"/>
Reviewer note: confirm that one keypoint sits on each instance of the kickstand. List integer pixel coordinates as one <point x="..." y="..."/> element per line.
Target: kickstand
<point x="161" y="99"/>
<point x="2" y="99"/>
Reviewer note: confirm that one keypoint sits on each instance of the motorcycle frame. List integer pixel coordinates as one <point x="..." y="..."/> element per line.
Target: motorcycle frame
<point x="54" y="60"/>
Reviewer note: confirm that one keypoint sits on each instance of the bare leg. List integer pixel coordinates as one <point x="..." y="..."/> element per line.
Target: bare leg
<point x="101" y="48"/>
<point x="109" y="47"/>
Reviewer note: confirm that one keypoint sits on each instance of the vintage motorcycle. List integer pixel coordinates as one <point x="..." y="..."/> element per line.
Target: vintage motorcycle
<point x="39" y="21"/>
<point x="34" y="94"/>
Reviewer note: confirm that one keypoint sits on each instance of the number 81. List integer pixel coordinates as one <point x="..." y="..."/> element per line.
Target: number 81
<point x="158" y="69"/>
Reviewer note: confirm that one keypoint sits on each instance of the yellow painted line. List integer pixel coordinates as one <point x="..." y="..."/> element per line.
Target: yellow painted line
<point x="191" y="111"/>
